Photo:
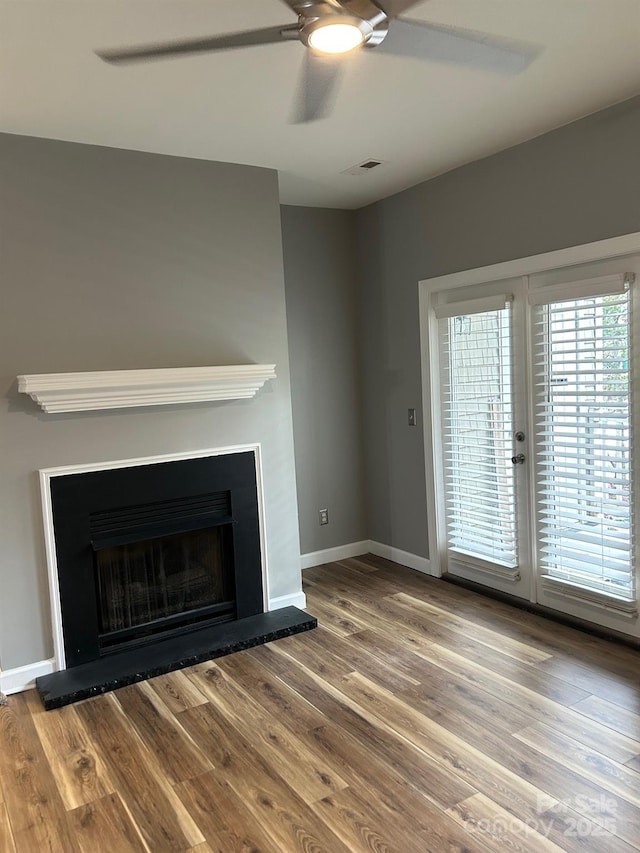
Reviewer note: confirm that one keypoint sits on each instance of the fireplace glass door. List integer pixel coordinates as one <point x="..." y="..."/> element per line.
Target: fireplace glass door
<point x="164" y="584"/>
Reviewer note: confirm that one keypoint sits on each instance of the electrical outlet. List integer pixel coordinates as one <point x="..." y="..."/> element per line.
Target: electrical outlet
<point x="413" y="420"/>
<point x="324" y="516"/>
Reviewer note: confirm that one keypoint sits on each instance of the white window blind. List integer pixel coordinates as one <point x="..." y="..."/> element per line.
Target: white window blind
<point x="477" y="432"/>
<point x="583" y="453"/>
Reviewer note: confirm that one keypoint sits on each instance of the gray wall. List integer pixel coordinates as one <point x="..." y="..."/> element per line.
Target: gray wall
<point x="575" y="185"/>
<point x="322" y="318"/>
<point x="112" y="260"/>
<point x="115" y="259"/>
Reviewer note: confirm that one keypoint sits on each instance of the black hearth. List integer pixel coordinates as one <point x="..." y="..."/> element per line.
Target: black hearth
<point x="158" y="566"/>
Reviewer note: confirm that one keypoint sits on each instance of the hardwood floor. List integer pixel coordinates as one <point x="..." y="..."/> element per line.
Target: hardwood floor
<point x="417" y="717"/>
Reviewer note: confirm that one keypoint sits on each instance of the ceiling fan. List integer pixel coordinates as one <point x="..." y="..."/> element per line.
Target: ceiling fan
<point x="331" y="29"/>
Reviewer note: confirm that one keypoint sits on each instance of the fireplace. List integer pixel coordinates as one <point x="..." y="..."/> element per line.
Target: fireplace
<point x="158" y="566"/>
<point x="148" y="551"/>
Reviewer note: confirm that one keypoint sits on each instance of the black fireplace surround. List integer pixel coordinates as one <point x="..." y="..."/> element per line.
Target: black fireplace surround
<point x="159" y="567"/>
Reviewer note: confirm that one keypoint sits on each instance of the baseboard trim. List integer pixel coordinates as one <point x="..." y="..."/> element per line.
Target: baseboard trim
<point x="24" y="677"/>
<point x="332" y="555"/>
<point x="404" y="558"/>
<point x="294" y="599"/>
<point x="367" y="546"/>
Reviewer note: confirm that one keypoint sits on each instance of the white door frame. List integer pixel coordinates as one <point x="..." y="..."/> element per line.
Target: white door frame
<point x="614" y="247"/>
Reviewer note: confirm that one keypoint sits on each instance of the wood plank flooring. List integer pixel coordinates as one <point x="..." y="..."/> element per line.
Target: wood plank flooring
<point x="418" y="718"/>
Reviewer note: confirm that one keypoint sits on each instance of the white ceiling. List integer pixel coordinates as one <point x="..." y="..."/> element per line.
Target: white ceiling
<point x="420" y="118"/>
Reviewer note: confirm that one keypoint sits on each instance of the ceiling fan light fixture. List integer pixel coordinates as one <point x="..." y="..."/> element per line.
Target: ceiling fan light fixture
<point x="338" y="36"/>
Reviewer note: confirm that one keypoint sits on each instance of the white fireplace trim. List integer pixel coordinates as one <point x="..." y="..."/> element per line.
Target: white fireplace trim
<point x="121" y="389"/>
<point x="47" y="474"/>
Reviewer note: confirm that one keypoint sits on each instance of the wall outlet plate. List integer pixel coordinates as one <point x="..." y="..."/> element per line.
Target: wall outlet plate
<point x="324" y="516"/>
<point x="412" y="417"/>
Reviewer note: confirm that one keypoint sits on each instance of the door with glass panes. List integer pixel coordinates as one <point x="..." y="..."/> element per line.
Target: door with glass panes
<point x="532" y="415"/>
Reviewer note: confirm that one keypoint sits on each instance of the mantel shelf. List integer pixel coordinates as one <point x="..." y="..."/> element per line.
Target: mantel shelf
<point x="121" y="389"/>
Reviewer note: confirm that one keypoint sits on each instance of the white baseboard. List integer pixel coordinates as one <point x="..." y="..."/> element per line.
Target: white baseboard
<point x="411" y="561"/>
<point x="331" y="555"/>
<point x="24" y="677"/>
<point x="294" y="599"/>
<point x="357" y="549"/>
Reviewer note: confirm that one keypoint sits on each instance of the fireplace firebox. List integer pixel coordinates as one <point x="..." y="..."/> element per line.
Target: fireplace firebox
<point x="163" y="584"/>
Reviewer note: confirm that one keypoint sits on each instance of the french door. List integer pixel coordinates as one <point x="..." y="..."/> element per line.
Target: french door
<point x="532" y="415"/>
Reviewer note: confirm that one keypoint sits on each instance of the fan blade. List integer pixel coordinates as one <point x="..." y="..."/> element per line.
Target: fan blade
<point x="247" y="38"/>
<point x="320" y="78"/>
<point x="302" y="7"/>
<point x="393" y="8"/>
<point x="455" y="44"/>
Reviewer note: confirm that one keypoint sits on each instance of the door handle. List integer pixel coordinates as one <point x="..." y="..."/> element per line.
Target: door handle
<point x="519" y="459"/>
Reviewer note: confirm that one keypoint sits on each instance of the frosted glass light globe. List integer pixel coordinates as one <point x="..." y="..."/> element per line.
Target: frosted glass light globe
<point x="336" y="38"/>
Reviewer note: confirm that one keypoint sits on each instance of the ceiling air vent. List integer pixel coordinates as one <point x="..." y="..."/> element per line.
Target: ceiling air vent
<point x="364" y="167"/>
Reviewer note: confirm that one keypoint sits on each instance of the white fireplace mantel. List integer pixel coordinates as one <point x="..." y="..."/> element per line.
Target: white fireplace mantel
<point x="121" y="389"/>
